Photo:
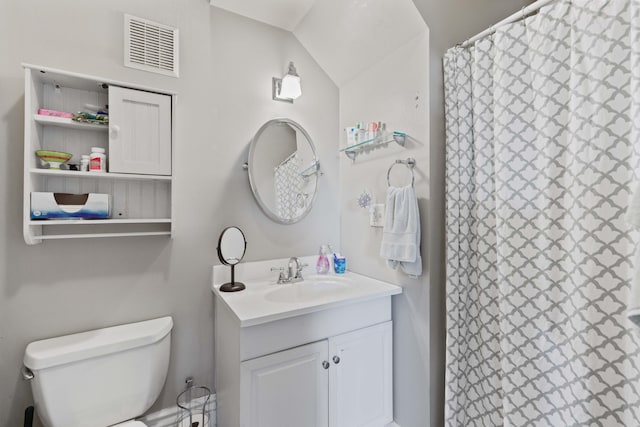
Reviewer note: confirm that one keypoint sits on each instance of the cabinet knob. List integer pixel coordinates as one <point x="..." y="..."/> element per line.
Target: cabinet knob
<point x="336" y="359"/>
<point x="114" y="130"/>
<point x="325" y="364"/>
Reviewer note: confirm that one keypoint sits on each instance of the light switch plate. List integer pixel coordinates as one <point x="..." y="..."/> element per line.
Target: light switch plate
<point x="376" y="215"/>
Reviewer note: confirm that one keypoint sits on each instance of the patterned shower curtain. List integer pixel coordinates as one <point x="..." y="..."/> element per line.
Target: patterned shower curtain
<point x="288" y="186"/>
<point x="541" y="156"/>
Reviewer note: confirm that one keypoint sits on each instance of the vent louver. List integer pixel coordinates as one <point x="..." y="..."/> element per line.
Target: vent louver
<point x="150" y="46"/>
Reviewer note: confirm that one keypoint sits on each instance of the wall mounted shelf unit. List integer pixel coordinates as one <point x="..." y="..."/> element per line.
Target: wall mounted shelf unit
<point x="352" y="151"/>
<point x="138" y="142"/>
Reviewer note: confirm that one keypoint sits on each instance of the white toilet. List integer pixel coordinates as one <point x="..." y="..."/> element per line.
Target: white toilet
<point x="99" y="378"/>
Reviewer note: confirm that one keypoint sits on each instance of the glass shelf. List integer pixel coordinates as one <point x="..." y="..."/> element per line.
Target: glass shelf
<point x="312" y="169"/>
<point x="353" y="150"/>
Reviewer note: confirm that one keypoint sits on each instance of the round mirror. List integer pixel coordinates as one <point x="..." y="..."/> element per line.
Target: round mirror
<point x="231" y="248"/>
<point x="283" y="170"/>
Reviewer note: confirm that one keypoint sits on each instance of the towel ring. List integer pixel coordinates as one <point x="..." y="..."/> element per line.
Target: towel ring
<point x="410" y="163"/>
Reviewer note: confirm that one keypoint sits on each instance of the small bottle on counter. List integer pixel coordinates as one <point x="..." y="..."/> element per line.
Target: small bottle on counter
<point x="323" y="266"/>
<point x="97" y="160"/>
<point x="84" y="163"/>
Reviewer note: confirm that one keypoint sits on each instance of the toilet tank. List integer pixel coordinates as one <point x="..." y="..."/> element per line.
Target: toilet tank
<point x="101" y="377"/>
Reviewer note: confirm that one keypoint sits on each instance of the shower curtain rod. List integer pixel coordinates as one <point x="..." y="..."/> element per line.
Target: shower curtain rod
<point x="513" y="18"/>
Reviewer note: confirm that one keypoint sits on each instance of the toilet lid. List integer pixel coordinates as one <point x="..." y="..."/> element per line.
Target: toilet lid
<point x="131" y="423"/>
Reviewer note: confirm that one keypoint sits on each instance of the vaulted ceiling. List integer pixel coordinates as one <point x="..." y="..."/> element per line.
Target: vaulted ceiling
<point x="344" y="36"/>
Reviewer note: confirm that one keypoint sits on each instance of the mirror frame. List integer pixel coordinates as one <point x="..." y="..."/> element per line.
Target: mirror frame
<point x="252" y="148"/>
<point x="231" y="286"/>
<point x="220" y="257"/>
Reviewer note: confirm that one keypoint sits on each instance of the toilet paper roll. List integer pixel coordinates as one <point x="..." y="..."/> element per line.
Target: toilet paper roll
<point x="195" y="421"/>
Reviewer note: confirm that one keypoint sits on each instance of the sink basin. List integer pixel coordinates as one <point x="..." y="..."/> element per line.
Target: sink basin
<point x="312" y="288"/>
<point x="325" y="279"/>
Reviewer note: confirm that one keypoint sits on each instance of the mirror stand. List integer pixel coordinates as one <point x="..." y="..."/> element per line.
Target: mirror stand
<point x="232" y="286"/>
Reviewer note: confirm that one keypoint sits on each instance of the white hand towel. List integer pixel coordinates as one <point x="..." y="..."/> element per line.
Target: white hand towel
<point x="401" y="236"/>
<point x="633" y="219"/>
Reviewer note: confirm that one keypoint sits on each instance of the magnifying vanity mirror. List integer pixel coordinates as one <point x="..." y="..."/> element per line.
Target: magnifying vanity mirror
<point x="231" y="248"/>
<point x="283" y="170"/>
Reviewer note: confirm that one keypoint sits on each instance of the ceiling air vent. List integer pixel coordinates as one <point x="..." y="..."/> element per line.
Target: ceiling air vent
<point x="150" y="46"/>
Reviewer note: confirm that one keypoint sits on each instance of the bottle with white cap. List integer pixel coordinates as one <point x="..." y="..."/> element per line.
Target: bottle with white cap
<point x="84" y="163"/>
<point x="97" y="160"/>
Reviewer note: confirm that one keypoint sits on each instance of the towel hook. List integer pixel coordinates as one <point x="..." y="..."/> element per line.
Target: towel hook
<point x="410" y="163"/>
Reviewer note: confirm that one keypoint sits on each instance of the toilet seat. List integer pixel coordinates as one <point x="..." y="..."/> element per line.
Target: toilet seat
<point x="130" y="423"/>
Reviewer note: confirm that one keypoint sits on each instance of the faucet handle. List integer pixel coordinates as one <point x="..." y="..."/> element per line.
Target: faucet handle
<point x="299" y="272"/>
<point x="281" y="277"/>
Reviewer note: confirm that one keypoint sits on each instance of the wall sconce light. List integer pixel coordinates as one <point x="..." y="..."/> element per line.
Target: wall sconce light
<point x="288" y="87"/>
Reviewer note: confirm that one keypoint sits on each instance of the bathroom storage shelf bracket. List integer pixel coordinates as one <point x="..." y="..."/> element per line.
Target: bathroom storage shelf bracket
<point x="352" y="151"/>
<point x="142" y="120"/>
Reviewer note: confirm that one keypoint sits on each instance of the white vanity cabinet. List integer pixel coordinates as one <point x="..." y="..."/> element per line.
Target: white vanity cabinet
<point x="316" y="353"/>
<point x="361" y="378"/>
<point x="344" y="381"/>
<point x="138" y="143"/>
<point x="287" y="388"/>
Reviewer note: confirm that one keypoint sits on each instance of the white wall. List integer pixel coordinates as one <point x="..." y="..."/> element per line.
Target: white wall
<point x="226" y="66"/>
<point x="387" y="92"/>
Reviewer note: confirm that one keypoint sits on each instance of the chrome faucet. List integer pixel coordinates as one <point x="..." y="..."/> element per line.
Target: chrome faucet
<point x="294" y="271"/>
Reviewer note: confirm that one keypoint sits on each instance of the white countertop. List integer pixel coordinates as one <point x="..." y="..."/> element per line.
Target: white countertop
<point x="265" y="301"/>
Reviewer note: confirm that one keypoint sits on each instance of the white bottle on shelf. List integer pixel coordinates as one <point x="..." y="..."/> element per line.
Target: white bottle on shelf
<point x="84" y="163"/>
<point x="97" y="160"/>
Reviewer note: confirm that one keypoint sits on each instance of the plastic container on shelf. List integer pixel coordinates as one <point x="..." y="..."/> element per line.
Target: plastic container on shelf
<point x="84" y="163"/>
<point x="97" y="160"/>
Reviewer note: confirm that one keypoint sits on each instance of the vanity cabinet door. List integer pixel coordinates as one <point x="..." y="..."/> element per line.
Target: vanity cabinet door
<point x="360" y="382"/>
<point x="286" y="389"/>
<point x="139" y="132"/>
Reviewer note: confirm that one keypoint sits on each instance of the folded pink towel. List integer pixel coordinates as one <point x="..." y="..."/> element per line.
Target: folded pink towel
<point x="54" y="113"/>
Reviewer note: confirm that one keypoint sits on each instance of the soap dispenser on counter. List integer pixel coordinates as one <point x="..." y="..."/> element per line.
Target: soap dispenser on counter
<point x="323" y="266"/>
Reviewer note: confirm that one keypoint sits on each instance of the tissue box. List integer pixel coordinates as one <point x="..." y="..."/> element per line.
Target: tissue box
<point x="45" y="205"/>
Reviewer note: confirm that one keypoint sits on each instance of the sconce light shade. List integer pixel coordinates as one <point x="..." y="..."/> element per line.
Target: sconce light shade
<point x="288" y="87"/>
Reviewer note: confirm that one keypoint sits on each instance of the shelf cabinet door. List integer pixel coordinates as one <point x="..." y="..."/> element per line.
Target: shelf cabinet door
<point x="139" y="132"/>
<point x="360" y="382"/>
<point x="286" y="389"/>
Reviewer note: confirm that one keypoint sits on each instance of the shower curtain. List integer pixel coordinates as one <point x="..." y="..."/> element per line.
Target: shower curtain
<point x="288" y="186"/>
<point x="542" y="125"/>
